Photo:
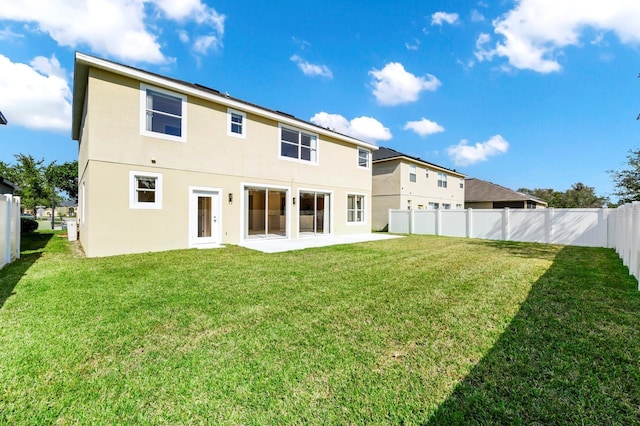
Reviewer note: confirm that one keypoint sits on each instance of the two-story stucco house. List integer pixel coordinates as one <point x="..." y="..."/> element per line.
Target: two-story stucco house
<point x="401" y="181"/>
<point x="165" y="164"/>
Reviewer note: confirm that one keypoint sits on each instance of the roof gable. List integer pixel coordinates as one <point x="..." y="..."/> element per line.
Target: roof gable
<point x="477" y="190"/>
<point x="386" y="154"/>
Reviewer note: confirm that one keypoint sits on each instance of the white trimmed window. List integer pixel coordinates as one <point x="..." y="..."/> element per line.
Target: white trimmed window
<point x="446" y="206"/>
<point x="355" y="208"/>
<point x="412" y="172"/>
<point x="434" y="206"/>
<point x="442" y="180"/>
<point x="461" y="183"/>
<point x="163" y="114"/>
<point x="364" y="158"/>
<point x="236" y="124"/>
<point x="298" y="145"/>
<point x="145" y="190"/>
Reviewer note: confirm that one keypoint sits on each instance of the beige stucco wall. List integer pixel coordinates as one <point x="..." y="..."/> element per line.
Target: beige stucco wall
<point x="392" y="189"/>
<point x="111" y="146"/>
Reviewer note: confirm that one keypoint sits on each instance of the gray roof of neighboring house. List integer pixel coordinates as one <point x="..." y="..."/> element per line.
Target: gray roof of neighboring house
<point x="477" y="190"/>
<point x="3" y="120"/>
<point x="384" y="153"/>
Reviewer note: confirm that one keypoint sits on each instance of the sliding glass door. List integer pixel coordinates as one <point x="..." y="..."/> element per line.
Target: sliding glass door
<point x="314" y="213"/>
<point x="265" y="213"/>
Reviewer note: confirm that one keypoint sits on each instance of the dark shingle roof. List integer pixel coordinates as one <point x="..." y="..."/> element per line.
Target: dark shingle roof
<point x="3" y="120"/>
<point x="199" y="87"/>
<point x="477" y="190"/>
<point x="384" y="153"/>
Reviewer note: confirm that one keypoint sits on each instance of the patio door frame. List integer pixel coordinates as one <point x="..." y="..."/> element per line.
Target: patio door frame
<point x="196" y="192"/>
<point x="246" y="187"/>
<point x="327" y="215"/>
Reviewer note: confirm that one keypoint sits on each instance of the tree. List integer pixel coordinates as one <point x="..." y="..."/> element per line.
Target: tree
<point x="29" y="176"/>
<point x="627" y="180"/>
<point x="65" y="177"/>
<point x="578" y="196"/>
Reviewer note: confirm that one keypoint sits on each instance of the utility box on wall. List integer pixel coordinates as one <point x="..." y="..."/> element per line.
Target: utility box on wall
<point x="72" y="230"/>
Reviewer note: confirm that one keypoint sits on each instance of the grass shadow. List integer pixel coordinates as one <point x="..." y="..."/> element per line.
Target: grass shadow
<point x="32" y="245"/>
<point x="526" y="250"/>
<point x="570" y="356"/>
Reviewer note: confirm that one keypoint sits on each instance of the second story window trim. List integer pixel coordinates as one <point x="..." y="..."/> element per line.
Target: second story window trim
<point x="236" y="123"/>
<point x="412" y="172"/>
<point x="442" y="180"/>
<point x="364" y="158"/>
<point x="163" y="114"/>
<point x="297" y="145"/>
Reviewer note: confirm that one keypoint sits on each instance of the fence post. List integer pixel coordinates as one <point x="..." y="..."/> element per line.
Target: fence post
<point x="412" y="224"/>
<point x="634" y="246"/>
<point x="548" y="225"/>
<point x="438" y="222"/>
<point x="506" y="232"/>
<point x="469" y="223"/>
<point x="17" y="226"/>
<point x="8" y="230"/>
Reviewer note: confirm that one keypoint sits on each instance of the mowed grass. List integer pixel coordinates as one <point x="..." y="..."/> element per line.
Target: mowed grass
<point x="414" y="330"/>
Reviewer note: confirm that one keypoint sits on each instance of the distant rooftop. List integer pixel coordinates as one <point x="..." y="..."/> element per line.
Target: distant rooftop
<point x="477" y="190"/>
<point x="384" y="153"/>
<point x="3" y="120"/>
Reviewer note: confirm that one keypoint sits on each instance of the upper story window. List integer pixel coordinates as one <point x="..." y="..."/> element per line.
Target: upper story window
<point x="412" y="173"/>
<point x="298" y="145"/>
<point x="163" y="114"/>
<point x="364" y="156"/>
<point x="461" y="183"/>
<point x="426" y="173"/>
<point x="236" y="123"/>
<point x="442" y="180"/>
<point x="145" y="190"/>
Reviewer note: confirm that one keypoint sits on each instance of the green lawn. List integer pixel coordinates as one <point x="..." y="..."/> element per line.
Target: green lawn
<point x="418" y="330"/>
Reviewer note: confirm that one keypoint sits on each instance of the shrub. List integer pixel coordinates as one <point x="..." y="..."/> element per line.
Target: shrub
<point x="27" y="225"/>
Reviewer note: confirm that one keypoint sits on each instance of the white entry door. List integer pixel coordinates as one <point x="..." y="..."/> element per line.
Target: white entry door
<point x="204" y="217"/>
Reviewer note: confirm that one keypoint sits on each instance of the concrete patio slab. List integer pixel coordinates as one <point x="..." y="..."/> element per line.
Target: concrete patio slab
<point x="280" y="245"/>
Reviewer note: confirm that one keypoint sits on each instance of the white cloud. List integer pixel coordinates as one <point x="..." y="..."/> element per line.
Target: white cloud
<point x="204" y="43"/>
<point x="464" y="154"/>
<point x="424" y="127"/>
<point x="415" y="45"/>
<point x="7" y="34"/>
<point x="533" y="34"/>
<point x="439" y="18"/>
<point x="183" y="36"/>
<point x="476" y="16"/>
<point x="37" y="95"/>
<point x="312" y="69"/>
<point x="365" y="128"/>
<point x="393" y="85"/>
<point x="116" y="28"/>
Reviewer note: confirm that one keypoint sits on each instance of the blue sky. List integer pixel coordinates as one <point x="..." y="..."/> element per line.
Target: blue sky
<point x="532" y="93"/>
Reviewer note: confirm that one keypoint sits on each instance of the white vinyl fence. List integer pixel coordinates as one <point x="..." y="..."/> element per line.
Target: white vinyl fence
<point x="9" y="229"/>
<point x="613" y="228"/>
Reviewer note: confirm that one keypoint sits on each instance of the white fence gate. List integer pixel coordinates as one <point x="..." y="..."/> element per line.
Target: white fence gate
<point x="9" y="229"/>
<point x="613" y="228"/>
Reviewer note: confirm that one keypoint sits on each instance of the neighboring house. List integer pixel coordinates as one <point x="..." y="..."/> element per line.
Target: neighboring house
<point x="166" y="164"/>
<point x="3" y="120"/>
<point x="480" y="194"/>
<point x="66" y="208"/>
<point x="401" y="181"/>
<point x="6" y="187"/>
